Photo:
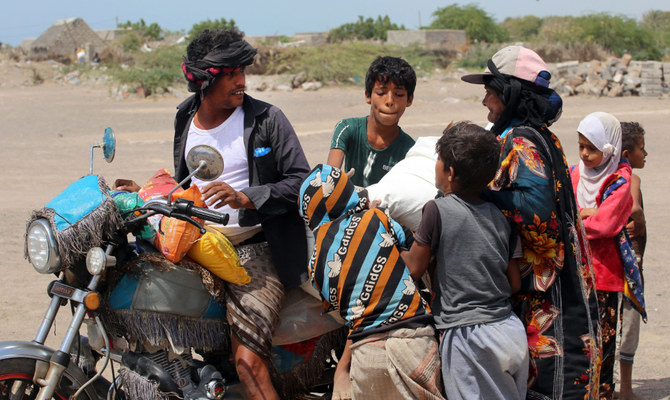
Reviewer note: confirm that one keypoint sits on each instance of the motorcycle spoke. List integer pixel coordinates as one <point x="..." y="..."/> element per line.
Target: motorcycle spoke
<point x="20" y="387"/>
<point x="17" y="388"/>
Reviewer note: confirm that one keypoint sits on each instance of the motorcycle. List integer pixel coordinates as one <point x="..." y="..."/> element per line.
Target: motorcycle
<point x="163" y="324"/>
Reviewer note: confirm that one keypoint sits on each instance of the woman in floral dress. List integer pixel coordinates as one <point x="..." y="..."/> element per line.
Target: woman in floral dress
<point x="532" y="187"/>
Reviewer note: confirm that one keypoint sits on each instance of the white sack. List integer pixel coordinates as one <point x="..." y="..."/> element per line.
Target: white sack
<point x="409" y="184"/>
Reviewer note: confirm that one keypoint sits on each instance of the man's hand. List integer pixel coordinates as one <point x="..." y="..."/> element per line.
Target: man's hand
<point x="126" y="184"/>
<point x="219" y="194"/>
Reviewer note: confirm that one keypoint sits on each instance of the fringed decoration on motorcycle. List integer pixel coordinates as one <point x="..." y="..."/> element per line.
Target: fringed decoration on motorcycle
<point x="168" y="331"/>
<point x="82" y="216"/>
<point x="170" y="306"/>
<point x="140" y="387"/>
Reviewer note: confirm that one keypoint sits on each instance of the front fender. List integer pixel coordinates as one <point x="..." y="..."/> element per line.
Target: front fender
<point x="35" y="351"/>
<point x="19" y="349"/>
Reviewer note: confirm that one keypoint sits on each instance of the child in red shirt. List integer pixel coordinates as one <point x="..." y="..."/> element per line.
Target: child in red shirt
<point x="600" y="172"/>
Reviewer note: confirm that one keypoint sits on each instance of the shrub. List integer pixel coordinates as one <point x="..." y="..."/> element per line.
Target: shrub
<point x="557" y="52"/>
<point x="364" y="29"/>
<point x="477" y="56"/>
<point x="523" y="28"/>
<point x="657" y="24"/>
<point x="131" y="41"/>
<point x="221" y="23"/>
<point x="615" y="34"/>
<point x="345" y="62"/>
<point x="156" y="69"/>
<point x="147" y="32"/>
<point x="477" y="24"/>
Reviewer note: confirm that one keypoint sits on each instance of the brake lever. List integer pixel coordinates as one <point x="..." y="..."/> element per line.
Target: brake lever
<point x="160" y="208"/>
<point x="146" y="213"/>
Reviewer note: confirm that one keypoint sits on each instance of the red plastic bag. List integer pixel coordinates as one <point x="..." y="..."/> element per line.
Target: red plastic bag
<point x="158" y="186"/>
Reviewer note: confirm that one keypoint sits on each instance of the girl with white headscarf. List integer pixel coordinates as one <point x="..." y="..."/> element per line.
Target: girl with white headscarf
<point x="604" y="132"/>
<point x="601" y="183"/>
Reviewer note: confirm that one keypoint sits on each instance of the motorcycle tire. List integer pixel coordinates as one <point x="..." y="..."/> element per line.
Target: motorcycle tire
<point x="21" y="370"/>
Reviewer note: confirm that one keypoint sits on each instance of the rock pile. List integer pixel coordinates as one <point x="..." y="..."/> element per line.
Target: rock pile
<point x="613" y="78"/>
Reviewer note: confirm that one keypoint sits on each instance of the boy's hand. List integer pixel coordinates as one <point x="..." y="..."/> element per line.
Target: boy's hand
<point x="634" y="229"/>
<point x="127" y="185"/>
<point x="514" y="275"/>
<point x="409" y="237"/>
<point x="416" y="259"/>
<point x="335" y="158"/>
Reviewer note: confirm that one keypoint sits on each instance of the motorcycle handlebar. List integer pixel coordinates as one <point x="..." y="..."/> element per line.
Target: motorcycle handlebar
<point x="202" y="213"/>
<point x="185" y="208"/>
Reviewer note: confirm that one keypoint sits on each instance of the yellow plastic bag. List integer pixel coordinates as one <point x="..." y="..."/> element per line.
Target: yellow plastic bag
<point x="215" y="252"/>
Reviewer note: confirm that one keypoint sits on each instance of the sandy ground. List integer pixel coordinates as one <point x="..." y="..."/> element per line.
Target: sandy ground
<point x="46" y="133"/>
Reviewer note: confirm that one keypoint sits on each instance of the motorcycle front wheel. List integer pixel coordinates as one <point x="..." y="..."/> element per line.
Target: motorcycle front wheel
<point x="16" y="376"/>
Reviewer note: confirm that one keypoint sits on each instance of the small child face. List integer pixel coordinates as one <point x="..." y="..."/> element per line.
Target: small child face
<point x="588" y="153"/>
<point x="388" y="102"/>
<point x="636" y="156"/>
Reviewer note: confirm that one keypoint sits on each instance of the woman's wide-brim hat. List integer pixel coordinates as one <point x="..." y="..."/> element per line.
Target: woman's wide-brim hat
<point x="517" y="61"/>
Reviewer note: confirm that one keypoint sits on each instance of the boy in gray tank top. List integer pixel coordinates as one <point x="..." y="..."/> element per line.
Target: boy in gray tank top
<point x="483" y="347"/>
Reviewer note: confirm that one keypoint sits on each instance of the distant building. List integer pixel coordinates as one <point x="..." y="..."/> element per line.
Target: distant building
<point x="64" y="38"/>
<point x="26" y="43"/>
<point x="108" y="35"/>
<point x="312" y="38"/>
<point x="297" y="40"/>
<point x="431" y="39"/>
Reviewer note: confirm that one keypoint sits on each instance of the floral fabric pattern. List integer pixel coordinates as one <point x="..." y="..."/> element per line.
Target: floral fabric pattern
<point x="633" y="289"/>
<point x="557" y="302"/>
<point x="608" y="304"/>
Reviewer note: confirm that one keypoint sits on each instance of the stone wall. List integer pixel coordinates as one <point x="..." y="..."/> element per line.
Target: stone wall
<point x="297" y="40"/>
<point x="613" y="78"/>
<point x="431" y="39"/>
<point x="312" y="39"/>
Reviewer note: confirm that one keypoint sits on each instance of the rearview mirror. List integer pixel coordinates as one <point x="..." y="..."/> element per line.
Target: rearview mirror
<point x="204" y="162"/>
<point x="108" y="146"/>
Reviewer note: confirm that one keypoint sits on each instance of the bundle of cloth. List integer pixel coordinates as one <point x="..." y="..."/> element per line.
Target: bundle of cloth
<point x="409" y="184"/>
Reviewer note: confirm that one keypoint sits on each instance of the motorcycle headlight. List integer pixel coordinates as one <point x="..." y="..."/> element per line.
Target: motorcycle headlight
<point x="96" y="261"/>
<point x="42" y="247"/>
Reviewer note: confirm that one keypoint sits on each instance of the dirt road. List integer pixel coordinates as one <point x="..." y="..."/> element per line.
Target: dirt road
<point x="46" y="133"/>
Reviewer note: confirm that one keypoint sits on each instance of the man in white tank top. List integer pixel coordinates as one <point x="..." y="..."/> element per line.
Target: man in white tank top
<point x="228" y="139"/>
<point x="264" y="166"/>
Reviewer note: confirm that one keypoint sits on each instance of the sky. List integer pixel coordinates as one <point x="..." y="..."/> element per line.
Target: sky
<point x="20" y="20"/>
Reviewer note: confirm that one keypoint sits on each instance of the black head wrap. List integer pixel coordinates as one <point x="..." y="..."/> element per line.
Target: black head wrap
<point x="533" y="104"/>
<point x="202" y="73"/>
